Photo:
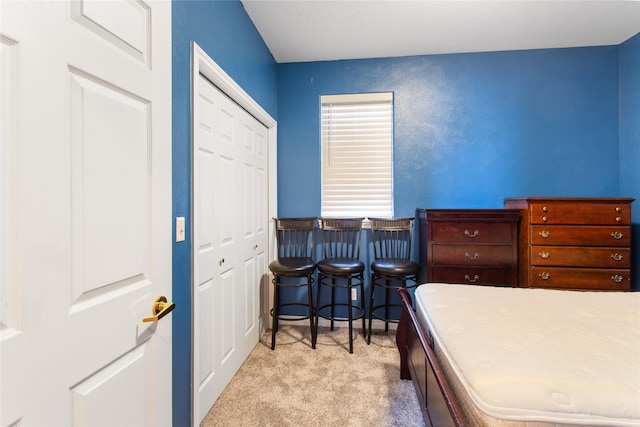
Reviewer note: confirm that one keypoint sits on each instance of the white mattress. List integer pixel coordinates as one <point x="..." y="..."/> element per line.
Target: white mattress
<point x="534" y="357"/>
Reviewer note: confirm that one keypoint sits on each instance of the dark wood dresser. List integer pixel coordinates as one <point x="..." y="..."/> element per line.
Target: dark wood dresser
<point x="574" y="243"/>
<point x="472" y="246"/>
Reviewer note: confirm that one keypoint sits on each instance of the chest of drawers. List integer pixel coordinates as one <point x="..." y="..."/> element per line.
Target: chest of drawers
<point x="474" y="246"/>
<point x="574" y="243"/>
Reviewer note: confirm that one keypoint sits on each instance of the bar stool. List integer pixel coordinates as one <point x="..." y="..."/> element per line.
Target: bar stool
<point x="392" y="266"/>
<point x="294" y="238"/>
<point x="341" y="268"/>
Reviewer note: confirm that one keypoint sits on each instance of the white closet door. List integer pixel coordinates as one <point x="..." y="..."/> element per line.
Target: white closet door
<point x="230" y="238"/>
<point x="85" y="213"/>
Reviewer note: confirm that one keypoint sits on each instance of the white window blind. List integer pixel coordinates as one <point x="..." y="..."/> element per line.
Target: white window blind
<point x="357" y="155"/>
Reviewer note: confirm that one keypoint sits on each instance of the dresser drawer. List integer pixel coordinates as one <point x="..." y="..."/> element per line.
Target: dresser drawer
<point x="580" y="278"/>
<point x="475" y="276"/>
<point x="576" y="213"/>
<point x="581" y="235"/>
<point x="477" y="255"/>
<point x="577" y="256"/>
<point x="471" y="232"/>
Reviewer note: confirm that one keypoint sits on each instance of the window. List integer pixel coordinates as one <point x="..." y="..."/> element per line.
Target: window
<point x="357" y="155"/>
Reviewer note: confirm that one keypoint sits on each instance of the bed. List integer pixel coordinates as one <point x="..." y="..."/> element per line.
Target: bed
<point x="496" y="356"/>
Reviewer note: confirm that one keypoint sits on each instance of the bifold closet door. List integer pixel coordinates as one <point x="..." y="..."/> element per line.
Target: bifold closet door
<point x="230" y="237"/>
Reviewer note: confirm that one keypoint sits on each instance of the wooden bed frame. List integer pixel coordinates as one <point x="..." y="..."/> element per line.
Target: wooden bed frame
<point x="418" y="363"/>
<point x="440" y="406"/>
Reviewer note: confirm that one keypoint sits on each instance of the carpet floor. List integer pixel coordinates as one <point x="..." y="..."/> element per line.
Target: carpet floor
<point x="295" y="385"/>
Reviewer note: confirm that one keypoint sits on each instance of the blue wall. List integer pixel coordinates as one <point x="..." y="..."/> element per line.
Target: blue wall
<point x="225" y="32"/>
<point x="470" y="129"/>
<point x="630" y="137"/>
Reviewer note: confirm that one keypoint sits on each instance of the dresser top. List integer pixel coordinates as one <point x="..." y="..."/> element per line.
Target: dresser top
<point x="572" y="199"/>
<point x="469" y="214"/>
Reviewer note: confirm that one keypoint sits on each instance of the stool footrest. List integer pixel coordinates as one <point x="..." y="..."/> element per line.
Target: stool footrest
<point x="293" y="317"/>
<point x="359" y="315"/>
<point x="380" y="317"/>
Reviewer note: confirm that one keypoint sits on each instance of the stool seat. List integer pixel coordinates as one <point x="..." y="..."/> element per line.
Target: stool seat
<point x="294" y="266"/>
<point x="395" y="267"/>
<point x="340" y="266"/>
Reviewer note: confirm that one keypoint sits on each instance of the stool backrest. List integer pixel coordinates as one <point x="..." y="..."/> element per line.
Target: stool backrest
<point x="391" y="237"/>
<point x="294" y="237"/>
<point x="341" y="237"/>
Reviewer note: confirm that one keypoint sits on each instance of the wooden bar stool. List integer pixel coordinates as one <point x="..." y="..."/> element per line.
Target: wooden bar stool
<point x="294" y="237"/>
<point x="392" y="266"/>
<point x="341" y="268"/>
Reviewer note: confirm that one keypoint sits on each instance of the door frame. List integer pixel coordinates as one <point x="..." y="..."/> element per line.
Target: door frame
<point x="202" y="63"/>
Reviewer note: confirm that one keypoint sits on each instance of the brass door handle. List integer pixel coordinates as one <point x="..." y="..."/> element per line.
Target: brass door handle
<point x="160" y="309"/>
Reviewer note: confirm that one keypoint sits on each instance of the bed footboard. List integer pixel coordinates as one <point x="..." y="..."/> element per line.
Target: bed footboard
<point x="418" y="363"/>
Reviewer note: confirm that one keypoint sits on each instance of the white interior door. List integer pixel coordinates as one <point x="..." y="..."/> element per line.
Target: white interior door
<point x="230" y="237"/>
<point x="85" y="212"/>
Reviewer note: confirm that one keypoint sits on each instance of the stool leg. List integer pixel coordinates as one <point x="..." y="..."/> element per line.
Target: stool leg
<point x="274" y="312"/>
<point x="350" y="315"/>
<point x="333" y="301"/>
<point x="320" y="279"/>
<point x="311" y="320"/>
<point x="386" y="306"/>
<point x="372" y="284"/>
<point x="364" y="326"/>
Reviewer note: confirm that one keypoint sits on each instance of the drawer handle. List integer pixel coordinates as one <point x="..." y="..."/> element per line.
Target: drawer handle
<point x="544" y="254"/>
<point x="468" y="233"/>
<point x="545" y="219"/>
<point x="617" y="256"/>
<point x="545" y="209"/>
<point x="544" y="234"/>
<point x="616" y="235"/>
<point x="618" y="209"/>
<point x="617" y="278"/>
<point x="470" y="280"/>
<point x="544" y="275"/>
<point x="618" y="219"/>
<point x="475" y="256"/>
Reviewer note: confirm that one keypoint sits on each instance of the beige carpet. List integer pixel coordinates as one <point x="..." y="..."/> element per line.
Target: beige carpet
<point x="295" y="385"/>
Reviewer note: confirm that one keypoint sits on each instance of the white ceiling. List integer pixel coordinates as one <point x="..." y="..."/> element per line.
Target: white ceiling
<point x="317" y="30"/>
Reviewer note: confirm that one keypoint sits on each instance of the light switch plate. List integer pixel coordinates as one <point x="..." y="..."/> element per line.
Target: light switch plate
<point x="180" y="231"/>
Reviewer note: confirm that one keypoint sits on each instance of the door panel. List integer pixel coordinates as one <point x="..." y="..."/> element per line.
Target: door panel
<point x="248" y="299"/>
<point x="9" y="287"/>
<point x="124" y="24"/>
<point x="128" y="373"/>
<point x="226" y="181"/>
<point x="227" y="330"/>
<point x="86" y="208"/>
<point x="206" y="309"/>
<point x="110" y="147"/>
